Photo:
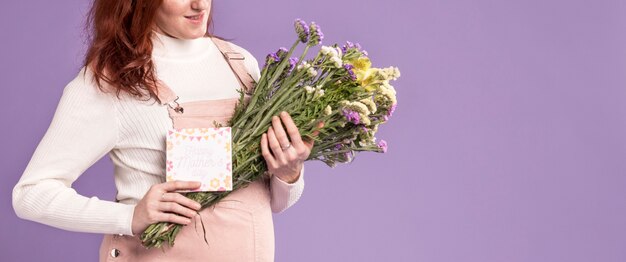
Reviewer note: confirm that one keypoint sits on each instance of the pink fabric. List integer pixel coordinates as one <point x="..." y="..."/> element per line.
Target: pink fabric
<point x="238" y="228"/>
<point x="205" y="114"/>
<point x="235" y="60"/>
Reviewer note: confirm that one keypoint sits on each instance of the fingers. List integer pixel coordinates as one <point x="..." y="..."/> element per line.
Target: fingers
<point x="265" y="151"/>
<point x="294" y="134"/>
<point x="176" y="209"/>
<point x="179" y="185"/>
<point x="279" y="131"/>
<point x="277" y="151"/>
<point x="310" y="142"/>
<point x="181" y="200"/>
<point x="173" y="218"/>
<point x="319" y="126"/>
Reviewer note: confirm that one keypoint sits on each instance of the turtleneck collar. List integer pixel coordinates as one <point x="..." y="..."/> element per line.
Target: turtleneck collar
<point x="180" y="49"/>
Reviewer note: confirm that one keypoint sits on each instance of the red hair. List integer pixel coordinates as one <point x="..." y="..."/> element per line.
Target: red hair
<point x="120" y="49"/>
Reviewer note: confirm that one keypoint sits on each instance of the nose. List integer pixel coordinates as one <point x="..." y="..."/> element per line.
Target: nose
<point x="200" y="4"/>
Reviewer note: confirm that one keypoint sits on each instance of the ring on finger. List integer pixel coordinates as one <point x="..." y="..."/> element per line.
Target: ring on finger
<point x="286" y="147"/>
<point x="163" y="196"/>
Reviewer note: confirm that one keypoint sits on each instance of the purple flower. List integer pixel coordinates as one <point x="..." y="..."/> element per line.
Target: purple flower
<point x="271" y="58"/>
<point x="347" y="46"/>
<point x="347" y="157"/>
<point x="351" y="116"/>
<point x="352" y="46"/>
<point x="349" y="68"/>
<point x="392" y="109"/>
<point x="292" y="63"/>
<point x="382" y="144"/>
<point x="315" y="35"/>
<point x="282" y="52"/>
<point x="302" y="29"/>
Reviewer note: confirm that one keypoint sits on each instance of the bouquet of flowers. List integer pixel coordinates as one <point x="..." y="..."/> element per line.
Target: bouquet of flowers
<point x="338" y="87"/>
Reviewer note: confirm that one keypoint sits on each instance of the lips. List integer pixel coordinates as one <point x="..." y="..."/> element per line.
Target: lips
<point x="197" y="17"/>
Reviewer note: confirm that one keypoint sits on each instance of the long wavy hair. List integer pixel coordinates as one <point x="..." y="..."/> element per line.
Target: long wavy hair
<point x="120" y="45"/>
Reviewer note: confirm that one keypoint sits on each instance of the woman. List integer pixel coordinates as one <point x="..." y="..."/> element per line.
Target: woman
<point x="142" y="50"/>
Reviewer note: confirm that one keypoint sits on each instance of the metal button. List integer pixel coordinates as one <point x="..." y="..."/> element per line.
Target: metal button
<point x="115" y="252"/>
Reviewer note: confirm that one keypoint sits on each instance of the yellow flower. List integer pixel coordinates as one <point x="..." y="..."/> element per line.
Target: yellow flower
<point x="361" y="67"/>
<point x="361" y="64"/>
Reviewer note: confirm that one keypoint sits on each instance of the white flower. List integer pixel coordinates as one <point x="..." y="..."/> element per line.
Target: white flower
<point x="370" y="104"/>
<point x="373" y="130"/>
<point x="339" y="52"/>
<point x="319" y="93"/>
<point x="360" y="107"/>
<point x="326" y="50"/>
<point x="385" y="95"/>
<point x="396" y="73"/>
<point x="386" y="87"/>
<point x="337" y="61"/>
<point x="333" y="52"/>
<point x="390" y="73"/>
<point x="304" y="65"/>
<point x="365" y="120"/>
<point x="312" y="72"/>
<point x="328" y="110"/>
<point x="309" y="89"/>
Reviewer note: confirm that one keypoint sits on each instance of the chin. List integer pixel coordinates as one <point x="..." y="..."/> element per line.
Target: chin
<point x="199" y="33"/>
<point x="194" y="35"/>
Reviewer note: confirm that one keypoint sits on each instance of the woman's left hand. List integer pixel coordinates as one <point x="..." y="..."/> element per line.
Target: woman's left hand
<point x="284" y="150"/>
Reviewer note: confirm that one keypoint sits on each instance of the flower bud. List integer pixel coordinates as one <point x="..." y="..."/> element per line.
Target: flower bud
<point x="303" y="30"/>
<point x="315" y="35"/>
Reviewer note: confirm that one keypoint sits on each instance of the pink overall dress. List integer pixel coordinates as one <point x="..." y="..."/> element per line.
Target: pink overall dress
<point x="239" y="227"/>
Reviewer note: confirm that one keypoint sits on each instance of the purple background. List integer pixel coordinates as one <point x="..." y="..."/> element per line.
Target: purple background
<point x="509" y="143"/>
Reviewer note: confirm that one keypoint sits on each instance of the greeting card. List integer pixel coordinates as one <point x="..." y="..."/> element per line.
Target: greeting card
<point x="200" y="154"/>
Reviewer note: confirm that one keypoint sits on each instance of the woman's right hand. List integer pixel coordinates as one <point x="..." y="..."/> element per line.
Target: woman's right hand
<point x="162" y="204"/>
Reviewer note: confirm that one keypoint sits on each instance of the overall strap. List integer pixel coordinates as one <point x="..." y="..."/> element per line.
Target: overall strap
<point x="235" y="61"/>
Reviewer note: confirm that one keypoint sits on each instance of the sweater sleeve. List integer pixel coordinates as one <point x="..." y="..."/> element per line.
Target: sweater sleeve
<point x="84" y="128"/>
<point x="283" y="194"/>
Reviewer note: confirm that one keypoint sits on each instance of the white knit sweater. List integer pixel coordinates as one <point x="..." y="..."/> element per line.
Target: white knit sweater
<point x="89" y="124"/>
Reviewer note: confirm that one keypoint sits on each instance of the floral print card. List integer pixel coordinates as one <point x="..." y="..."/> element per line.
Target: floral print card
<point x="200" y="154"/>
